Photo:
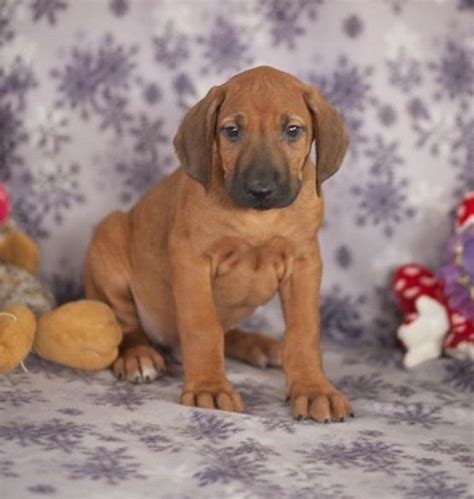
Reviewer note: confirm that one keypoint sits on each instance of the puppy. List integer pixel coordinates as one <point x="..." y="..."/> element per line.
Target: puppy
<point x="233" y="225"/>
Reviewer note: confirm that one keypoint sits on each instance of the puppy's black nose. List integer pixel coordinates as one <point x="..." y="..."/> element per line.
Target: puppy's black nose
<point x="260" y="188"/>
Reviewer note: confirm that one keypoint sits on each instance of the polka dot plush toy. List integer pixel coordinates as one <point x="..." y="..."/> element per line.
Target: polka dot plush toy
<point x="438" y="307"/>
<point x="4" y="205"/>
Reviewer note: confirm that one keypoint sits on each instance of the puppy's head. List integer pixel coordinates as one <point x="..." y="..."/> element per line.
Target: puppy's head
<point x="259" y="127"/>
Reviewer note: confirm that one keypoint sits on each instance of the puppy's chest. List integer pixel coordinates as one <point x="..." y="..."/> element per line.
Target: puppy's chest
<point x="248" y="275"/>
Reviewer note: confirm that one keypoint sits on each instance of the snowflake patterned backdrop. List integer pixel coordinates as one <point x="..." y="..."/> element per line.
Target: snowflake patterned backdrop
<point x="92" y="92"/>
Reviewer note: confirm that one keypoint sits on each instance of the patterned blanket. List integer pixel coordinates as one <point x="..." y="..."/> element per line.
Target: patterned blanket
<point x="69" y="434"/>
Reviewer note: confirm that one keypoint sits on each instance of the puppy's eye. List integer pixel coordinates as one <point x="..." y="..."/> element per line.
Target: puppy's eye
<point x="293" y="131"/>
<point x="232" y="132"/>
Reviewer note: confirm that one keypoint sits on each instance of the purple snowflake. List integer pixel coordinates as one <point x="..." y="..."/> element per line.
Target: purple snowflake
<point x="404" y="72"/>
<point x="244" y="463"/>
<point x="65" y="436"/>
<point x="382" y="202"/>
<point x="42" y="489"/>
<point x="27" y="215"/>
<point x="52" y="190"/>
<point x="97" y="81"/>
<point x="206" y="425"/>
<point x="12" y="134"/>
<point x="387" y="115"/>
<point x="454" y="72"/>
<point x="145" y="169"/>
<point x="466" y="4"/>
<point x="283" y="17"/>
<point x="383" y="156"/>
<point x="183" y="86"/>
<point x="152" y="435"/>
<point x="224" y="48"/>
<point x="362" y="387"/>
<point x="47" y="9"/>
<point x="382" y="199"/>
<point x="7" y="32"/>
<point x="353" y="26"/>
<point x="17" y="398"/>
<point x="440" y="446"/>
<point x="125" y="395"/>
<point x="462" y="154"/>
<point x="6" y="469"/>
<point x="102" y="464"/>
<point x="137" y="177"/>
<point x="114" y="114"/>
<point x="429" y="483"/>
<point x="340" y="316"/>
<point x="172" y="48"/>
<point x="343" y="256"/>
<point x="460" y="374"/>
<point x="415" y="414"/>
<point x="404" y="391"/>
<point x="148" y="134"/>
<point x="16" y="82"/>
<point x="348" y="88"/>
<point x="417" y="109"/>
<point x="284" y="423"/>
<point x="152" y="93"/>
<point x="119" y="7"/>
<point x="50" y="134"/>
<point x="369" y="455"/>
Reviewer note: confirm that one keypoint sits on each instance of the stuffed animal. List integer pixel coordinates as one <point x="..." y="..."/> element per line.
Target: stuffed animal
<point x="438" y="307"/>
<point x="82" y="334"/>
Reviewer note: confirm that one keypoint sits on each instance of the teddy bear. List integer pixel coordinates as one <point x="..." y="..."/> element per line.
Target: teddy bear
<point x="82" y="334"/>
<point x="438" y="307"/>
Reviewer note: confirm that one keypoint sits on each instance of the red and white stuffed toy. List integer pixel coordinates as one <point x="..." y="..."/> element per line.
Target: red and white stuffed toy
<point x="4" y="205"/>
<point x="438" y="308"/>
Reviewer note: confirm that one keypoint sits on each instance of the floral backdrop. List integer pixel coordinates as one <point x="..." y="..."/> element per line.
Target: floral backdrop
<point x="91" y="93"/>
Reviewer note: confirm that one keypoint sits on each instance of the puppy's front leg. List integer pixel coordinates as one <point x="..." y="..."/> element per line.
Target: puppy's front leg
<point x="310" y="392"/>
<point x="201" y="335"/>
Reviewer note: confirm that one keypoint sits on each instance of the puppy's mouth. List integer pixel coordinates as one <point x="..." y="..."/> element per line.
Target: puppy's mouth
<point x="263" y="190"/>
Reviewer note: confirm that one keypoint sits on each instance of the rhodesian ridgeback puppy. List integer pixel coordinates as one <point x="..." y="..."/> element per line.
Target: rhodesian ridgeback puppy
<point x="233" y="225"/>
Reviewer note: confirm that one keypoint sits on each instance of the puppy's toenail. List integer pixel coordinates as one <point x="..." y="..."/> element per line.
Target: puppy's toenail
<point x="299" y="417"/>
<point x="341" y="420"/>
<point x="326" y="421"/>
<point x="352" y="415"/>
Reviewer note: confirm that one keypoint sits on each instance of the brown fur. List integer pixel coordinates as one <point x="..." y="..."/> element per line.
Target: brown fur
<point x="187" y="263"/>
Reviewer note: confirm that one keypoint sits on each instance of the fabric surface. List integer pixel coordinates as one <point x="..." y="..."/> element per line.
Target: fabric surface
<point x="69" y="434"/>
<point x="91" y="93"/>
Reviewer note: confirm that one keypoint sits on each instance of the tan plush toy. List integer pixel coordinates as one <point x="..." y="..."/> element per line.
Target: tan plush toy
<point x="82" y="334"/>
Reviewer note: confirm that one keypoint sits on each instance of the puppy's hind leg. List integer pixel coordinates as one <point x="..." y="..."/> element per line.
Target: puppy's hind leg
<point x="255" y="349"/>
<point x="107" y="279"/>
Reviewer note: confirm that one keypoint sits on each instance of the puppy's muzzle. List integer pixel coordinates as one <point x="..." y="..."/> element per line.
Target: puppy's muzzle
<point x="263" y="188"/>
<point x="261" y="185"/>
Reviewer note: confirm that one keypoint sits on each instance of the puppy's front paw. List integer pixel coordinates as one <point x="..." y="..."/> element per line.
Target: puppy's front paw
<point x="212" y="395"/>
<point x="322" y="403"/>
<point x="140" y="364"/>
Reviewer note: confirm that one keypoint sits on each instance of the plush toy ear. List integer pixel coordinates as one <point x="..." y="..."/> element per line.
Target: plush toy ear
<point x="330" y="134"/>
<point x="194" y="140"/>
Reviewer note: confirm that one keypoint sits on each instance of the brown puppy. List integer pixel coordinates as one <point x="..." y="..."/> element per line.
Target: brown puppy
<point x="236" y="223"/>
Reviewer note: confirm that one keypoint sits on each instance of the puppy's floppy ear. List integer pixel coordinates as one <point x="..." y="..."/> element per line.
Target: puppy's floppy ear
<point x="194" y="140"/>
<point x="332" y="139"/>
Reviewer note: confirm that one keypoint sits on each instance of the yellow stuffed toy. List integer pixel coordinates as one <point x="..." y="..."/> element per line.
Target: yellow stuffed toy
<point x="83" y="334"/>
